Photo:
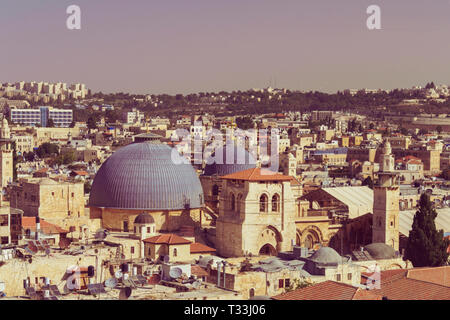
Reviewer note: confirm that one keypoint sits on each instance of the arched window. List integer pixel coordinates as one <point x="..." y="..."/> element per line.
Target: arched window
<point x="215" y="190"/>
<point x="233" y="203"/>
<point x="263" y="203"/>
<point x="239" y="202"/>
<point x="275" y="203"/>
<point x="175" y="252"/>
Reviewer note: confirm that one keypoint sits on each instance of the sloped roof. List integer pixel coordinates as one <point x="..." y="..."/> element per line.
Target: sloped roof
<point x="46" y="227"/>
<point x="257" y="174"/>
<point x="167" y="239"/>
<point x="201" y="248"/>
<point x="359" y="200"/>
<point x="329" y="290"/>
<point x="406" y="218"/>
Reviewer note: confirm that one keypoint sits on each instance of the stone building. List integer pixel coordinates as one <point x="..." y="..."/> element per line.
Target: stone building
<point x="257" y="210"/>
<point x="58" y="202"/>
<point x="225" y="160"/>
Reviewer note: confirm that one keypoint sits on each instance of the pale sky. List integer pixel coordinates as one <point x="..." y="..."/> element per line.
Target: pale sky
<point x="186" y="46"/>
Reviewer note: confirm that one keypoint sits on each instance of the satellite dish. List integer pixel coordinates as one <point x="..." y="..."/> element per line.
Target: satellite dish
<point x="125" y="293"/>
<point x="196" y="284"/>
<point x="175" y="273"/>
<point x="118" y="274"/>
<point x="166" y="259"/>
<point x="111" y="283"/>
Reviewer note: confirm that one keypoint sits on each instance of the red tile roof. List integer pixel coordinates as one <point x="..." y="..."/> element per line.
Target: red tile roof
<point x="201" y="248"/>
<point x="329" y="290"/>
<point x="257" y="174"/>
<point x="46" y="227"/>
<point x="440" y="275"/>
<point x="411" y="289"/>
<point x="167" y="239"/>
<point x="415" y="284"/>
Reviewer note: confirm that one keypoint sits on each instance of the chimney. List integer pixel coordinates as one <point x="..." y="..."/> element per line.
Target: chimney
<point x="38" y="228"/>
<point x="218" y="273"/>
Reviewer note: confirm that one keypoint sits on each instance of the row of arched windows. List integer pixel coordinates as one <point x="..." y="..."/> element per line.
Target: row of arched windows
<point x="263" y="203"/>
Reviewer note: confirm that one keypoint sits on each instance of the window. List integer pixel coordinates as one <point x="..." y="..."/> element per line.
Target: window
<point x="338" y="277"/>
<point x="349" y="276"/>
<point x="239" y="203"/>
<point x="175" y="252"/>
<point x="281" y="283"/>
<point x="275" y="203"/>
<point x="233" y="203"/>
<point x="148" y="229"/>
<point x="263" y="202"/>
<point x="287" y="282"/>
<point x="132" y="250"/>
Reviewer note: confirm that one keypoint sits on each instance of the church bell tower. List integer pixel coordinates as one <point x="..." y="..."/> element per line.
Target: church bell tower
<point x="386" y="201"/>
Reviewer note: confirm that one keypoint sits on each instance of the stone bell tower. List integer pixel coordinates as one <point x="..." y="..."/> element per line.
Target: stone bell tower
<point x="386" y="201"/>
<point x="6" y="156"/>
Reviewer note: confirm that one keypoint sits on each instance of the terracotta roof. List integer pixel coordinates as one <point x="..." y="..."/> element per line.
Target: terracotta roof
<point x="440" y="275"/>
<point x="198" y="271"/>
<point x="167" y="239"/>
<point x="329" y="290"/>
<point x="386" y="276"/>
<point x="46" y="227"/>
<point x="257" y="174"/>
<point x="428" y="284"/>
<point x="201" y="248"/>
<point x="411" y="289"/>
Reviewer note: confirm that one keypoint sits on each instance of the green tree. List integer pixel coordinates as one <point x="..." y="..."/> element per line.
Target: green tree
<point x="92" y="122"/>
<point x="368" y="182"/>
<point x="50" y="123"/>
<point x="47" y="149"/>
<point x="426" y="246"/>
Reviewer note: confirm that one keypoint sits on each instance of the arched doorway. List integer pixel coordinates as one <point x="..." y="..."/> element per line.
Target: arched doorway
<point x="268" y="250"/>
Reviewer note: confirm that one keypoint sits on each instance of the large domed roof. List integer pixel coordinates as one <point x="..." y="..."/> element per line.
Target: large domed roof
<point x="380" y="251"/>
<point x="143" y="176"/>
<point x="326" y="255"/>
<point x="229" y="159"/>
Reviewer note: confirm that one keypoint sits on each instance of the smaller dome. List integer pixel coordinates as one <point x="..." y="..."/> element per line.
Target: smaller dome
<point x="144" y="218"/>
<point x="380" y="251"/>
<point x="326" y="255"/>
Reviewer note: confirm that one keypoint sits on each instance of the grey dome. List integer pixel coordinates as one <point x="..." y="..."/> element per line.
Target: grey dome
<point x="242" y="160"/>
<point x="144" y="218"/>
<point x="143" y="176"/>
<point x="380" y="251"/>
<point x="326" y="255"/>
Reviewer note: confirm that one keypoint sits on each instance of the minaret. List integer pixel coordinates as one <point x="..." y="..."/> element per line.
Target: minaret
<point x="6" y="158"/>
<point x="386" y="201"/>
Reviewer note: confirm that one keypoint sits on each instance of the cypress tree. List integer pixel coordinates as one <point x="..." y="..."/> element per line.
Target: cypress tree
<point x="426" y="246"/>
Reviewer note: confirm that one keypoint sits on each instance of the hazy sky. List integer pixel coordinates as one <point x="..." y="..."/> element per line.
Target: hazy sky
<point x="182" y="46"/>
